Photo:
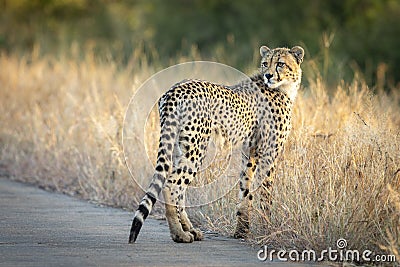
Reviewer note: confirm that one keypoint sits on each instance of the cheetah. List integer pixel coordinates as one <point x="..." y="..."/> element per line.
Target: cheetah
<point x="255" y="115"/>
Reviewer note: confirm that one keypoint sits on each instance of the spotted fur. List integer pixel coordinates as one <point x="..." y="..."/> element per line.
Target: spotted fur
<point x="255" y="116"/>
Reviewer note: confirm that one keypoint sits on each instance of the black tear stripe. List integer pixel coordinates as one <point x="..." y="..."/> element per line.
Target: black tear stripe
<point x="277" y="73"/>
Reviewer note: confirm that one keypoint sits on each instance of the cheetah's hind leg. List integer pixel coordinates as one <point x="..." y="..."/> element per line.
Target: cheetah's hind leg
<point x="185" y="222"/>
<point x="171" y="212"/>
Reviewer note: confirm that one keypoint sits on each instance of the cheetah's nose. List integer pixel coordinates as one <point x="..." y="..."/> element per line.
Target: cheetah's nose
<point x="268" y="76"/>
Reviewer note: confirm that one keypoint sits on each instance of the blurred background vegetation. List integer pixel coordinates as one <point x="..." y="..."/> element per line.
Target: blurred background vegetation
<point x="346" y="37"/>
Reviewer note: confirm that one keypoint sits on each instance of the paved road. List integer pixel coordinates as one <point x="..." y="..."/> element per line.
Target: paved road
<point x="38" y="228"/>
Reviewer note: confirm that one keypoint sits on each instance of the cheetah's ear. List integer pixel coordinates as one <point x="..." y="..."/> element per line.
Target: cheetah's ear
<point x="264" y="50"/>
<point x="298" y="53"/>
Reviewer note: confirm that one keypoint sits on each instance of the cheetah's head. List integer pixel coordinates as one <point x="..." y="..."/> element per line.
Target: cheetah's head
<point x="280" y="68"/>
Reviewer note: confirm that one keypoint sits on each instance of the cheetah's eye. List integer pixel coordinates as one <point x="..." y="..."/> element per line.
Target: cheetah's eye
<point x="280" y="64"/>
<point x="264" y="64"/>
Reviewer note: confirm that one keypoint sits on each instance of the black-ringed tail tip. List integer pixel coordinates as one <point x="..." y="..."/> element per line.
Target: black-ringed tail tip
<point x="135" y="229"/>
<point x="143" y="211"/>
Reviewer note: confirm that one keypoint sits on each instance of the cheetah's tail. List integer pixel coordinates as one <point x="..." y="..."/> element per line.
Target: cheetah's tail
<point x="140" y="215"/>
<point x="149" y="199"/>
<point x="169" y="129"/>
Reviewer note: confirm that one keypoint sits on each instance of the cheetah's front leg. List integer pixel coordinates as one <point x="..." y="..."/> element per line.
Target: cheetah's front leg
<point x="245" y="198"/>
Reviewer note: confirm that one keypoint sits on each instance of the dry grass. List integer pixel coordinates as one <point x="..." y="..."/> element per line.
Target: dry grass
<point x="61" y="125"/>
<point x="339" y="177"/>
